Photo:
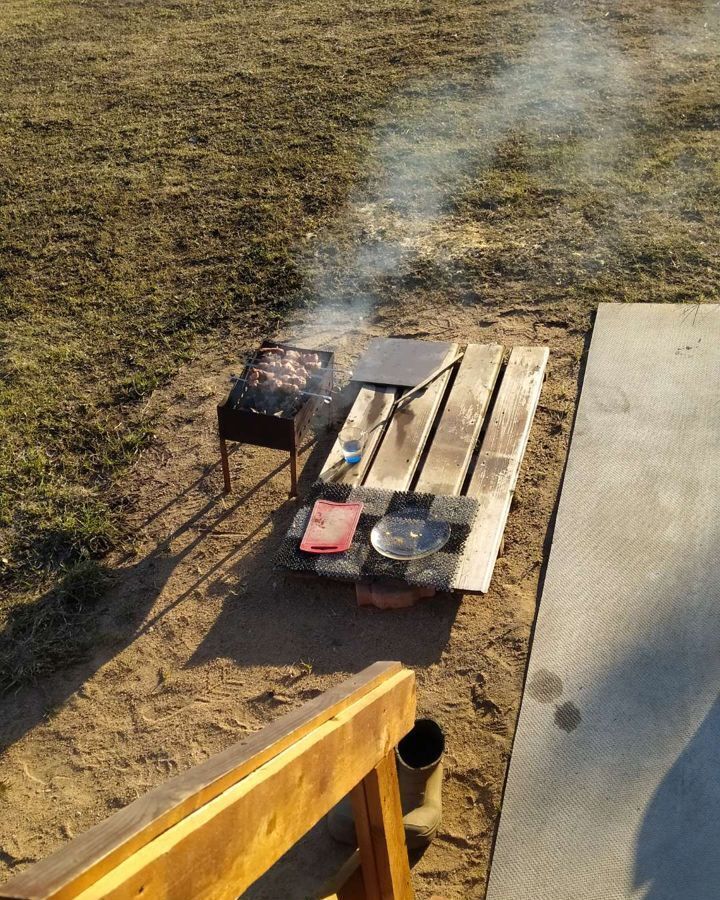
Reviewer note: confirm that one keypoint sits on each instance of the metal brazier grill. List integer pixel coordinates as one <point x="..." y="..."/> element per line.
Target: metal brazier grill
<point x="273" y="401"/>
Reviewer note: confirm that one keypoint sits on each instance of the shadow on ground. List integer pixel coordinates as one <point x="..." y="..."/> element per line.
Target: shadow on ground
<point x="676" y="854"/>
<point x="277" y="621"/>
<point x="268" y="618"/>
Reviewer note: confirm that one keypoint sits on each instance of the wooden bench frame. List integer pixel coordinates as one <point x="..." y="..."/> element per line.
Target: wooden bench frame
<point x="215" y="829"/>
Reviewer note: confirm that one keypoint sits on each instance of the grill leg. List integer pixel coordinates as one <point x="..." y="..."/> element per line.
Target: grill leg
<point x="293" y="472"/>
<point x="225" y="465"/>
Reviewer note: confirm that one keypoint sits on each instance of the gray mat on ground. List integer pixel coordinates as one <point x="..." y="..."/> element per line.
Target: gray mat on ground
<point x="614" y="783"/>
<point x="362" y="561"/>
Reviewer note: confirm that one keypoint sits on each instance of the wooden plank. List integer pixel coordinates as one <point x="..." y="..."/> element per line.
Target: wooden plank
<point x="366" y="847"/>
<point x="402" y="445"/>
<point x="371" y="405"/>
<point x="103" y="847"/>
<point x="381" y="834"/>
<point x="459" y="425"/>
<point x="498" y="464"/>
<point x="347" y="884"/>
<point x="219" y="850"/>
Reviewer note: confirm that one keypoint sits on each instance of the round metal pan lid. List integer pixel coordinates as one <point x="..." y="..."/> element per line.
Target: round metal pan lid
<point x="411" y="535"/>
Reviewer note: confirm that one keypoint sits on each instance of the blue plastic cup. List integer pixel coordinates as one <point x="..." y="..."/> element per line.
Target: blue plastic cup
<point x="352" y="440"/>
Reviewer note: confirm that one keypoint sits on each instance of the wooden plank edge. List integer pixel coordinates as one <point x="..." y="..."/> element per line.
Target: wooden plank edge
<point x="490" y="387"/>
<point x="335" y="468"/>
<point x="89" y="856"/>
<point x="484" y="586"/>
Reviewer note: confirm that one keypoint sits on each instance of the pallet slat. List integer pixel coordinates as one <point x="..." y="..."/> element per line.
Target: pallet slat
<point x="498" y="464"/>
<point x="450" y="453"/>
<point x="371" y="405"/>
<point x="404" y="440"/>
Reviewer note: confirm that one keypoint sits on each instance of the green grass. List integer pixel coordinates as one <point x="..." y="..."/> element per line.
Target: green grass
<point x="160" y="167"/>
<point x="157" y="178"/>
<point x="168" y="167"/>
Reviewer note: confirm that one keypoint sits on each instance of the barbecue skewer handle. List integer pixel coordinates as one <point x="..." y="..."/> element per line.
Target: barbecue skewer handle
<point x="326" y="398"/>
<point x="408" y="395"/>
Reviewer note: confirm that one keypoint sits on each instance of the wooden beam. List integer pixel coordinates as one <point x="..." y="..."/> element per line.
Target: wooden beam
<point x="446" y="464"/>
<point x="381" y="834"/>
<point x="222" y="848"/>
<point x="84" y="860"/>
<point x="347" y="883"/>
<point x="498" y="464"/>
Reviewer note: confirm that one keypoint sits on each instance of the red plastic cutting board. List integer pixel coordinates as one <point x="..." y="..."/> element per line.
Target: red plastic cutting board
<point x="331" y="527"/>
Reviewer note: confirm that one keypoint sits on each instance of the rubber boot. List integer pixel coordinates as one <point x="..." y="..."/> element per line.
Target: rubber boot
<point x="419" y="764"/>
<point x="420" y="773"/>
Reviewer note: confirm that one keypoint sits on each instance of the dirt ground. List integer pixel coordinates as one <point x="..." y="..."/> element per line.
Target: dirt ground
<point x="211" y="642"/>
<point x="523" y="163"/>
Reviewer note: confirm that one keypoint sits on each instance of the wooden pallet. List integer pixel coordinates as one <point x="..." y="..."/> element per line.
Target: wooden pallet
<point x="466" y="434"/>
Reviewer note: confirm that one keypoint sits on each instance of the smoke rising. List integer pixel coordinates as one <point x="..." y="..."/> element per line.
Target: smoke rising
<point x="574" y="86"/>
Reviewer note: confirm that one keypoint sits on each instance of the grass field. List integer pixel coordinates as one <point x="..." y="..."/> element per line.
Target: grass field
<point x="166" y="167"/>
<point x="157" y="178"/>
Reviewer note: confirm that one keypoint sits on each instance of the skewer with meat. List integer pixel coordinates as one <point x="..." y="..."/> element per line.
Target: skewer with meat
<point x="277" y="378"/>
